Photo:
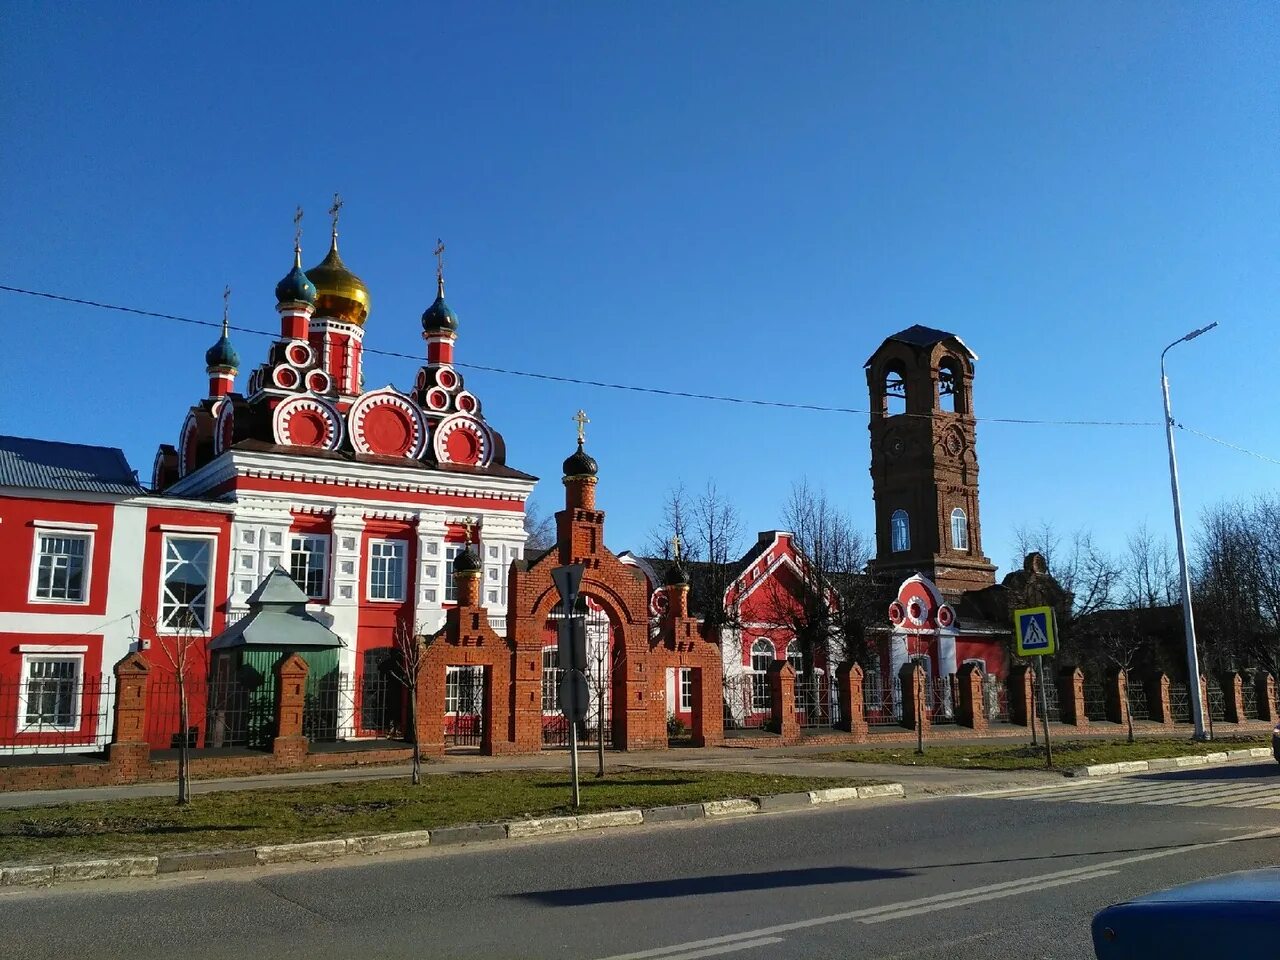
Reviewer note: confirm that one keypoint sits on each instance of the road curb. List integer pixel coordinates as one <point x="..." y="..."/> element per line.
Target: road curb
<point x="1219" y="758"/>
<point x="481" y="833"/>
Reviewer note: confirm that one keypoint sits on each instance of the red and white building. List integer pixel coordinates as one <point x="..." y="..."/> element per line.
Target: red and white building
<point x="364" y="495"/>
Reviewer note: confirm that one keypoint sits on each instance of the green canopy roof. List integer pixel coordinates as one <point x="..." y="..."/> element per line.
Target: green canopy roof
<point x="277" y="617"/>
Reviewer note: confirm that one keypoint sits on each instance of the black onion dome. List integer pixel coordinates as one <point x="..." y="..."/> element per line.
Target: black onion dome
<point x="466" y="562"/>
<point x="438" y="318"/>
<point x="676" y="575"/>
<point x="222" y="355"/>
<point x="581" y="464"/>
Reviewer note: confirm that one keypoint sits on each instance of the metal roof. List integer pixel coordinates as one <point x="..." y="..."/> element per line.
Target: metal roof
<point x="277" y="617"/>
<point x="921" y="336"/>
<point x="52" y="465"/>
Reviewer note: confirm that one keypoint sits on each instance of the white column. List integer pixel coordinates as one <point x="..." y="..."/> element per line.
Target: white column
<point x="428" y="597"/>
<point x="344" y="600"/>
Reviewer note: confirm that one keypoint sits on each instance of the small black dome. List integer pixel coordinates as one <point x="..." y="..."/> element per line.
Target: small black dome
<point x="438" y="317"/>
<point x="466" y="562"/>
<point x="581" y="464"/>
<point x="676" y="575"/>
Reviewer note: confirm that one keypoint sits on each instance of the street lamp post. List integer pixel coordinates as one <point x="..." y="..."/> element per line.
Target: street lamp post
<point x="1193" y="658"/>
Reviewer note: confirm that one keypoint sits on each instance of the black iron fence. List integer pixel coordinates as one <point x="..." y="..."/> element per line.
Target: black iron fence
<point x="942" y="695"/>
<point x="1179" y="703"/>
<point x="54" y="710"/>
<point x="881" y="701"/>
<point x="340" y="706"/>
<point x="1250" y="699"/>
<point x="1095" y="700"/>
<point x="1046" y="702"/>
<point x="1138" y="707"/>
<point x="1217" y="701"/>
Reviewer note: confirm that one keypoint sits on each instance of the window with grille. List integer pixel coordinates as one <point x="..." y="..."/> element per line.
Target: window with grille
<point x="386" y="569"/>
<point x="184" y="594"/>
<point x="761" y="658"/>
<point x="550" y="680"/>
<point x="60" y="572"/>
<point x="309" y="564"/>
<point x="686" y="689"/>
<point x="463" y="690"/>
<point x="51" y="692"/>
<point x="900" y="532"/>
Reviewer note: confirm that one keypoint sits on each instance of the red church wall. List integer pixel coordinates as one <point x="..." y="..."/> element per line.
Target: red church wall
<point x="993" y="652"/>
<point x="18" y="516"/>
<point x="380" y="618"/>
<point x="91" y="722"/>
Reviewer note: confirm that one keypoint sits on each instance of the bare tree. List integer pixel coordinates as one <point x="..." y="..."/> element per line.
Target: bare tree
<point x="183" y="647"/>
<point x="1149" y="572"/>
<point x="676" y="522"/>
<point x="1083" y="569"/>
<point x="539" y="527"/>
<point x="411" y="653"/>
<point x="709" y="530"/>
<point x="1121" y="648"/>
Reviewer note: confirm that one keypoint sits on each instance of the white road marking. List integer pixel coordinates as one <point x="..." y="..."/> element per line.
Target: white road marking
<point x="726" y="948"/>
<point x="995" y="895"/>
<point x="1155" y="793"/>
<point x="941" y="901"/>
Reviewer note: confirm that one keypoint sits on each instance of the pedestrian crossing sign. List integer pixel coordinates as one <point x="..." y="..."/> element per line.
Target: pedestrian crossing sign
<point x="1035" y="632"/>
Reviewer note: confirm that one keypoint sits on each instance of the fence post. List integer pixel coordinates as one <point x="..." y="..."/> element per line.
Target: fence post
<point x="1021" y="701"/>
<point x="1071" y="697"/>
<point x="1266" y="696"/>
<point x="1158" y="698"/>
<point x="1117" y="696"/>
<point x="782" y="690"/>
<point x="972" y="704"/>
<point x="853" y="711"/>
<point x="129" y="753"/>
<point x="913" y="710"/>
<point x="289" y="745"/>
<point x="1233" y="697"/>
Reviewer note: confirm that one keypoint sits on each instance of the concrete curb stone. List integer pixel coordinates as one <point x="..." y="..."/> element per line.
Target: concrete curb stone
<point x="1168" y="763"/>
<point x="122" y="867"/>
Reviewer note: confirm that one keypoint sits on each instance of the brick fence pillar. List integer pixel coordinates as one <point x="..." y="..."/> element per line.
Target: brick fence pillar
<point x="1116" y="694"/>
<point x="1021" y="697"/>
<point x="129" y="753"/>
<point x="853" y="711"/>
<point x="708" y="697"/>
<point x="1158" y="698"/>
<point x="1233" y="697"/>
<point x="1266" y="696"/>
<point x="1071" y="697"/>
<point x="782" y="693"/>
<point x="289" y="745"/>
<point x="914" y="710"/>
<point x="972" y="704"/>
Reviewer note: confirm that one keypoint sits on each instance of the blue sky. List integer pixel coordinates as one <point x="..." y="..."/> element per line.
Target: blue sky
<point x="732" y="198"/>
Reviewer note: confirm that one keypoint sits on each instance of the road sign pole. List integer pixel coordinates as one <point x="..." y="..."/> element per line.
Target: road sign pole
<point x="573" y="759"/>
<point x="1044" y="707"/>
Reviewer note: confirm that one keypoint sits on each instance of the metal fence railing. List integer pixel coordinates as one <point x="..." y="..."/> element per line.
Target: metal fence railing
<point x="942" y="698"/>
<point x="55" y="710"/>
<point x="1046" y="702"/>
<point x="748" y="702"/>
<point x="1138" y="708"/>
<point x="995" y="695"/>
<point x="1250" y="699"/>
<point x="1179" y="703"/>
<point x="881" y="702"/>
<point x="339" y="706"/>
<point x="1095" y="700"/>
<point x="813" y="701"/>
<point x="1217" y="701"/>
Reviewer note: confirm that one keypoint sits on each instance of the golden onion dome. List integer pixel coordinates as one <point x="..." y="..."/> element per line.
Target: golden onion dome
<point x="340" y="294"/>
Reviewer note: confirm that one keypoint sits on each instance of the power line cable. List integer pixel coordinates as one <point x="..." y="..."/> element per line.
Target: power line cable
<point x="1226" y="443"/>
<point x="557" y="378"/>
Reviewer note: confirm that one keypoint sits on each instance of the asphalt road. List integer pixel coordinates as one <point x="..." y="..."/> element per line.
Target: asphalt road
<point x="1017" y="875"/>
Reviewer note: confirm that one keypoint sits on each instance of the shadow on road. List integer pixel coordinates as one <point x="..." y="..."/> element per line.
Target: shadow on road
<point x="697" y="886"/>
<point x="1248" y="772"/>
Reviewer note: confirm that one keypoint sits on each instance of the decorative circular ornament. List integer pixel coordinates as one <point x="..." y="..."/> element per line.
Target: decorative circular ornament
<point x="660" y="603"/>
<point x="467" y="403"/>
<point x="916" y="612"/>
<point x="319" y="382"/>
<point x="946" y="616"/>
<point x="896" y="613"/>
<point x="386" y="422"/>
<point x="953" y="444"/>
<point x="437" y="399"/>
<point x="446" y="378"/>
<point x="307" y="422"/>
<point x="895" y="446"/>
<point x="423" y="381"/>
<point x="463" y="440"/>
<point x="300" y="354"/>
<point x="285" y="377"/>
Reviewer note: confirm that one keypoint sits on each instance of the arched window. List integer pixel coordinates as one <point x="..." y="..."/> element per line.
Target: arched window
<point x="795" y="657"/>
<point x="950" y="386"/>
<point x="899" y="532"/>
<point x="894" y="388"/>
<point x="959" y="530"/>
<point x="762" y="656"/>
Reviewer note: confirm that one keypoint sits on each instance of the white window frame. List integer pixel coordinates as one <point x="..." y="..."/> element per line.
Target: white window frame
<point x="67" y="654"/>
<point x="451" y="551"/>
<point x="211" y="579"/>
<point x="550" y="679"/>
<point x="959" y="514"/>
<point x="69" y="531"/>
<point x="685" y="679"/>
<point x="327" y="542"/>
<point x="403" y="554"/>
<point x="476" y="673"/>
<point x="899" y="520"/>
<point x="761" y="677"/>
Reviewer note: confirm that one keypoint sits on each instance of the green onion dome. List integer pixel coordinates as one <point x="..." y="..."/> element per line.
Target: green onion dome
<point x="438" y="318"/>
<point x="295" y="287"/>
<point x="222" y="355"/>
<point x="581" y="464"/>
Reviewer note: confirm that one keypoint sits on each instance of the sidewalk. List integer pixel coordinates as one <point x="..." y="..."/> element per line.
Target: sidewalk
<point x="795" y="761"/>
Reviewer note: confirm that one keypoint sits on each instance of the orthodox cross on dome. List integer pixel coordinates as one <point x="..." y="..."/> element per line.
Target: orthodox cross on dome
<point x="226" y="308"/>
<point x="438" y="252"/>
<point x="333" y="213"/>
<point x="675" y="542"/>
<point x="468" y="527"/>
<point x="297" y="230"/>
<point x="580" y="418"/>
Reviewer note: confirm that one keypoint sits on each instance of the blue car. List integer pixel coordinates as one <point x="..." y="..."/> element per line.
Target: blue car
<point x="1233" y="916"/>
<point x="1275" y="743"/>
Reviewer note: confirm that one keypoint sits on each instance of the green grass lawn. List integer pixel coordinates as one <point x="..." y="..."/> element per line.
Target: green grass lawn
<point x="247" y="818"/>
<point x="1023" y="756"/>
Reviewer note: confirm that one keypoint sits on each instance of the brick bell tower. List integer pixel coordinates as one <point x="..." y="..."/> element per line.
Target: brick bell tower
<point x="924" y="461"/>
